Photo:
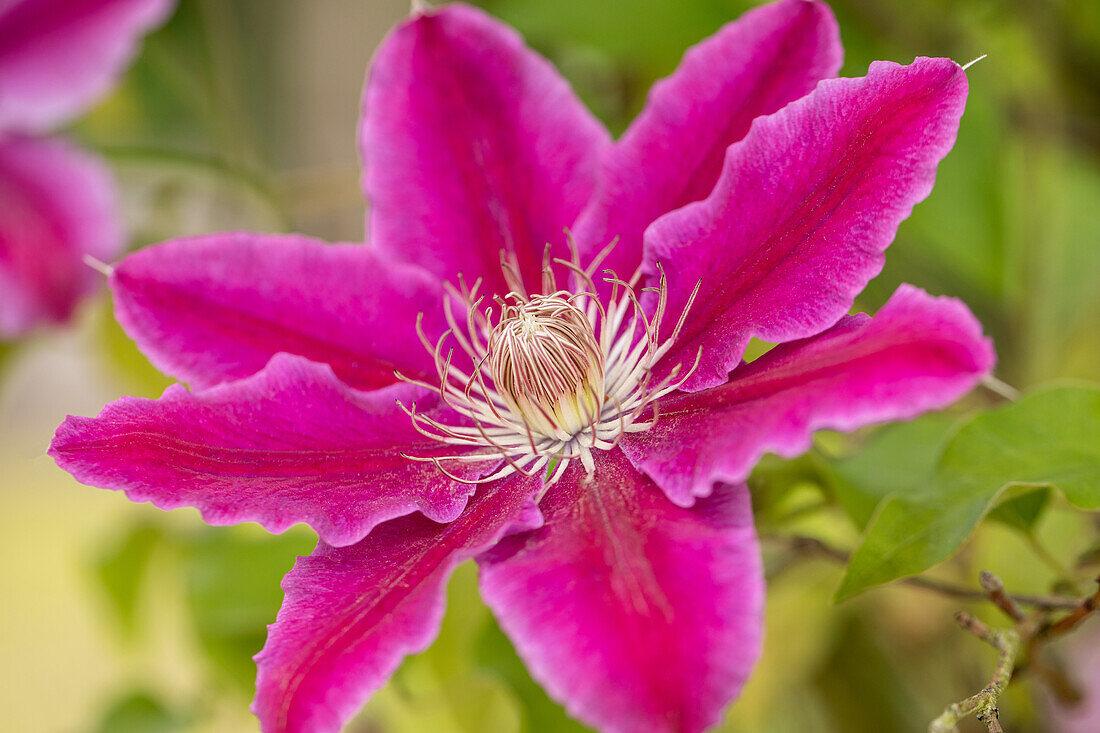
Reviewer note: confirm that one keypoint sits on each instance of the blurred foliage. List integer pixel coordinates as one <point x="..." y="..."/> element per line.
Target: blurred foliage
<point x="539" y="713"/>
<point x="444" y="689"/>
<point x="1047" y="438"/>
<point x="199" y="138"/>
<point x="140" y="712"/>
<point x="898" y="459"/>
<point x="1021" y="512"/>
<point x="121" y="569"/>
<point x="232" y="589"/>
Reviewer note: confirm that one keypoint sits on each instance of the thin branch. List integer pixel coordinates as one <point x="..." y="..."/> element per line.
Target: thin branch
<point x="984" y="703"/>
<point x="1082" y="611"/>
<point x="1030" y="633"/>
<point x="1028" y="636"/>
<point x="1045" y="603"/>
<point x="995" y="589"/>
<point x="806" y="545"/>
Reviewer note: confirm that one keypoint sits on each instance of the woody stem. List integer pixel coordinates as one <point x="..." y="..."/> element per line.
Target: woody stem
<point x="983" y="703"/>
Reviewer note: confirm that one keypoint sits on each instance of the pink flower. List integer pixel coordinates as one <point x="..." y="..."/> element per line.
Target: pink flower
<point x="1082" y="662"/>
<point x="57" y="57"/>
<point x="607" y="438"/>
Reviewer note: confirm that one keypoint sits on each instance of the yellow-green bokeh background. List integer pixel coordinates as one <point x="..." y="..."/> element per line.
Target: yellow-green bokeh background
<point x="242" y="114"/>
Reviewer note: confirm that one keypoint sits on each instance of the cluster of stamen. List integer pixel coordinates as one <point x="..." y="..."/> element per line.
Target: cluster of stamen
<point x="545" y="362"/>
<point x="553" y="377"/>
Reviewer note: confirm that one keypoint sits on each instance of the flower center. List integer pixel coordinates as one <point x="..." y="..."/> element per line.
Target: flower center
<point x="555" y="377"/>
<point x="545" y="362"/>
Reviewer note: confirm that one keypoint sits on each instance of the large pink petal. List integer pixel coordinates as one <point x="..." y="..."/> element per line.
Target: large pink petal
<point x="635" y="613"/>
<point x="56" y="205"/>
<point x="352" y="613"/>
<point x="217" y="307"/>
<point x="472" y="145"/>
<point x="672" y="154"/>
<point x="806" y="204"/>
<point x="290" y="444"/>
<point x="919" y="353"/>
<point x="59" y="56"/>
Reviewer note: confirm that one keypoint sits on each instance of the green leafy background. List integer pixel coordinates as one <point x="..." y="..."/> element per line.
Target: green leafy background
<point x="240" y="114"/>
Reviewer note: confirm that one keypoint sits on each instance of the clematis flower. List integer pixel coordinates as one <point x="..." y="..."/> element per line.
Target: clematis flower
<point x="57" y="57"/>
<point x="569" y="409"/>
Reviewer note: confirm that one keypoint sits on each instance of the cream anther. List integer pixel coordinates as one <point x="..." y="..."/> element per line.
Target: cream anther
<point x="545" y="362"/>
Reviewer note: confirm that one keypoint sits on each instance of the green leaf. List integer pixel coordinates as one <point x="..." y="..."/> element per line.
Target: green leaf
<point x="120" y="569"/>
<point x="785" y="489"/>
<point x="232" y="583"/>
<point x="540" y="714"/>
<point x="1090" y="556"/>
<point x="899" y="459"/>
<point x="1022" y="511"/>
<point x="1049" y="438"/>
<point x="443" y="689"/>
<point x="140" y="712"/>
<point x="123" y="355"/>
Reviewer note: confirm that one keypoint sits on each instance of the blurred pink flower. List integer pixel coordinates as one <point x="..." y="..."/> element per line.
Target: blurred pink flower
<point x="57" y="57"/>
<point x="607" y="426"/>
<point x="1083" y="666"/>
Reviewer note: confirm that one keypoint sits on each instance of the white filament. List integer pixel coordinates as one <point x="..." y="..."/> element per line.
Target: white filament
<point x="554" y="378"/>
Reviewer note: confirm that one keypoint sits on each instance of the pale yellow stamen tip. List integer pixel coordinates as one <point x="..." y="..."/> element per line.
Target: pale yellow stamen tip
<point x="547" y="365"/>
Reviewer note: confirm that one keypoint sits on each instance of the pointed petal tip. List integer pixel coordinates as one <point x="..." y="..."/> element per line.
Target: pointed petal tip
<point x="217" y="307"/>
<point x="968" y="330"/>
<point x="970" y="63"/>
<point x="918" y="353"/>
<point x="98" y="265"/>
<point x="837" y="198"/>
